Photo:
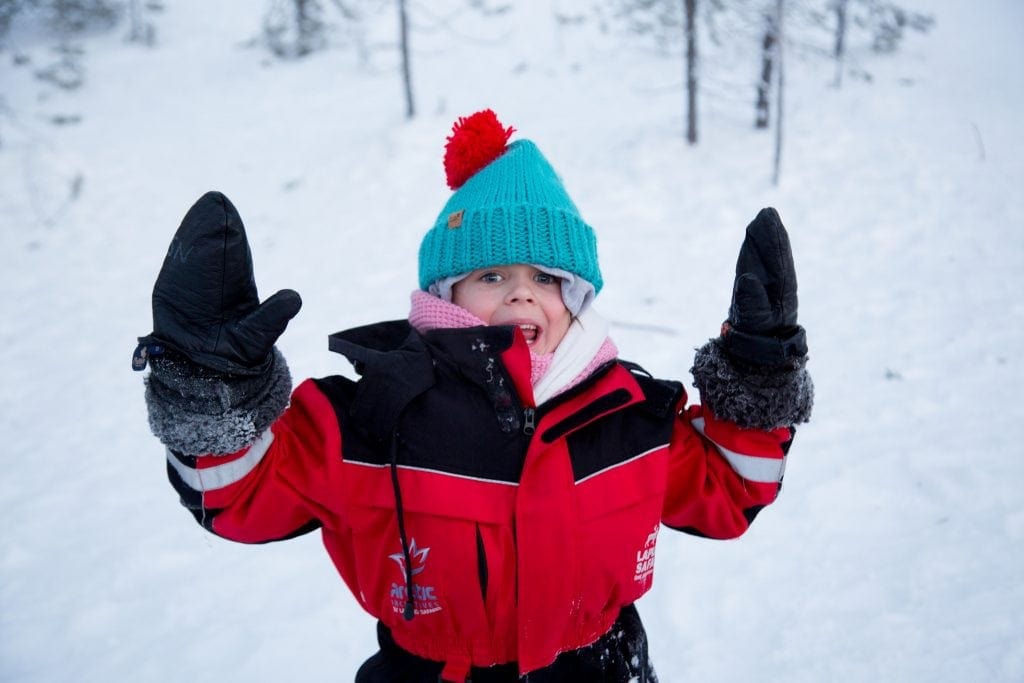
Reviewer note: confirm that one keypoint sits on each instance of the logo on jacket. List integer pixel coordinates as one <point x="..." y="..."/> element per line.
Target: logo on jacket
<point x="645" y="557"/>
<point x="424" y="598"/>
<point x="419" y="558"/>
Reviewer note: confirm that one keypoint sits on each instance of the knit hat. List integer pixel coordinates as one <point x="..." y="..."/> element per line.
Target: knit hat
<point x="509" y="206"/>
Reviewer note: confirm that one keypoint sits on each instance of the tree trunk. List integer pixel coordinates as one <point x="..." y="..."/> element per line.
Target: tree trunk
<point x="779" y="8"/>
<point x="303" y="28"/>
<point x="840" y="48"/>
<point x="690" y="7"/>
<point x="761" y="116"/>
<point x="403" y="27"/>
<point x="136" y="33"/>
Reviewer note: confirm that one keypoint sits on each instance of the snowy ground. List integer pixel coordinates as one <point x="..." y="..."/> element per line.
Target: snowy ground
<point x="896" y="552"/>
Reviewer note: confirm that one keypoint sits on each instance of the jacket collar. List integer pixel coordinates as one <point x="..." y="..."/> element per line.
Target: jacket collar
<point x="397" y="364"/>
<point x="611" y="388"/>
<point x="392" y="359"/>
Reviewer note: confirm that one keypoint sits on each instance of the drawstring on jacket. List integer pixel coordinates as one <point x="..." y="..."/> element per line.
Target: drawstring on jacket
<point x="410" y="608"/>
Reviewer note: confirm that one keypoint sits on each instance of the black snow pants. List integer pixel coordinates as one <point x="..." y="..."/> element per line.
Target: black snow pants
<point x="619" y="656"/>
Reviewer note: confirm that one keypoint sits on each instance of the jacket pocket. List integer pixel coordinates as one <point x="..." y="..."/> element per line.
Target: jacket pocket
<point x="620" y="515"/>
<point x="456" y="528"/>
<point x="481" y="563"/>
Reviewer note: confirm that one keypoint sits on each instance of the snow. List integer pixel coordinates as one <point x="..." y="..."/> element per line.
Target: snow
<point x="896" y="551"/>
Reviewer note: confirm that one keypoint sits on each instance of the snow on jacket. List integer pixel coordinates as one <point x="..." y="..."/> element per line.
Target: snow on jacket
<point x="509" y="532"/>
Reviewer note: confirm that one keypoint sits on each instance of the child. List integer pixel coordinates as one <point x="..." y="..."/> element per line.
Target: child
<point x="492" y="487"/>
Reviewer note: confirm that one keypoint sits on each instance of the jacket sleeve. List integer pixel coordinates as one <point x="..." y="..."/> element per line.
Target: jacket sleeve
<point x="727" y="455"/>
<point x="249" y="466"/>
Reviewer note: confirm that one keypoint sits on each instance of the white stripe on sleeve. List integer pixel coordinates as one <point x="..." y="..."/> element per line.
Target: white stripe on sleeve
<point x="219" y="476"/>
<point x="750" y="467"/>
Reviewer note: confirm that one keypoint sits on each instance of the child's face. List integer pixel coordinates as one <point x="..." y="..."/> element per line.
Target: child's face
<point x="517" y="295"/>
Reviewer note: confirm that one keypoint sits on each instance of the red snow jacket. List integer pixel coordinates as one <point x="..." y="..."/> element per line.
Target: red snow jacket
<point x="508" y="532"/>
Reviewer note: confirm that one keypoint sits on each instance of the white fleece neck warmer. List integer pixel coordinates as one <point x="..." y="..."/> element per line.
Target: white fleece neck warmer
<point x="579" y="348"/>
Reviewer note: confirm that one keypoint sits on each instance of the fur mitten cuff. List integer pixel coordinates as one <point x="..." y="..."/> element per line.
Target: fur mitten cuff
<point x="752" y="396"/>
<point x="194" y="410"/>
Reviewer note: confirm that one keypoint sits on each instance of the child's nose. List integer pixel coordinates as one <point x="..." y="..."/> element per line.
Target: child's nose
<point x="520" y="291"/>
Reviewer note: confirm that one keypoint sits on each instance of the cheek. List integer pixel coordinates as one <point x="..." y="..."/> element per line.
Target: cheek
<point x="560" y="321"/>
<point x="474" y="302"/>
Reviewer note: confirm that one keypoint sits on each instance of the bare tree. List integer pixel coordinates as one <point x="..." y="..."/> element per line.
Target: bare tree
<point x="882" y="23"/>
<point x="690" y="10"/>
<point x="294" y="28"/>
<point x="141" y="28"/>
<point x="9" y="9"/>
<point x="780" y="6"/>
<point x="839" y="51"/>
<point x="403" y="31"/>
<point x="769" y="42"/>
<point x="888" y="22"/>
<point x="485" y="8"/>
<point x="662" y="23"/>
<point x="65" y="23"/>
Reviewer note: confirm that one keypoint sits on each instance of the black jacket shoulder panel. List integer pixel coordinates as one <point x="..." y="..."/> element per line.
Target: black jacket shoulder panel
<point x="662" y="394"/>
<point x="366" y="344"/>
<point x="395" y="367"/>
<point x="445" y="384"/>
<point x="380" y="336"/>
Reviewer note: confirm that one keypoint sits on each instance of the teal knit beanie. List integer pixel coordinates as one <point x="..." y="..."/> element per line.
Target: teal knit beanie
<point x="509" y="206"/>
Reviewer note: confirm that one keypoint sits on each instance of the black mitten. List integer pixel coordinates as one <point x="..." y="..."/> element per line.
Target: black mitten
<point x="762" y="328"/>
<point x="755" y="373"/>
<point x="205" y="304"/>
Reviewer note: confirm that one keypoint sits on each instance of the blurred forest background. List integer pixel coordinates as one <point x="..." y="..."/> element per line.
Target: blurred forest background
<point x="726" y="49"/>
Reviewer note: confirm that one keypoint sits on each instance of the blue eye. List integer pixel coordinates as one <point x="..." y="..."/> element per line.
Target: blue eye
<point x="491" y="276"/>
<point x="545" y="279"/>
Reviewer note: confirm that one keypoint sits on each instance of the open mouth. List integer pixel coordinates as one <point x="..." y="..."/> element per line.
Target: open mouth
<point x="530" y="332"/>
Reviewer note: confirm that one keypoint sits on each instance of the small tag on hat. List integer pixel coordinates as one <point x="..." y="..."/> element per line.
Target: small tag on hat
<point x="455" y="219"/>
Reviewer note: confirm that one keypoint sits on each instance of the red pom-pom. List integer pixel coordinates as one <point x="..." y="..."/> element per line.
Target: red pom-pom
<point x="476" y="141"/>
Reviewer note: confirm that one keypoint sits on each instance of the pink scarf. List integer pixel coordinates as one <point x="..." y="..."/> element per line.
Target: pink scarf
<point x="431" y="313"/>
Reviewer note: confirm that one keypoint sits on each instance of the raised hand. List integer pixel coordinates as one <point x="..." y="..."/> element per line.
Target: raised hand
<point x="205" y="303"/>
<point x="762" y="327"/>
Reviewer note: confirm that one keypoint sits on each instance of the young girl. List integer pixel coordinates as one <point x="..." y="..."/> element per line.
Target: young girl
<point x="492" y="487"/>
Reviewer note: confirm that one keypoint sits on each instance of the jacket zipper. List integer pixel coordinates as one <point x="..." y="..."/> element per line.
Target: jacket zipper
<point x="529" y="421"/>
